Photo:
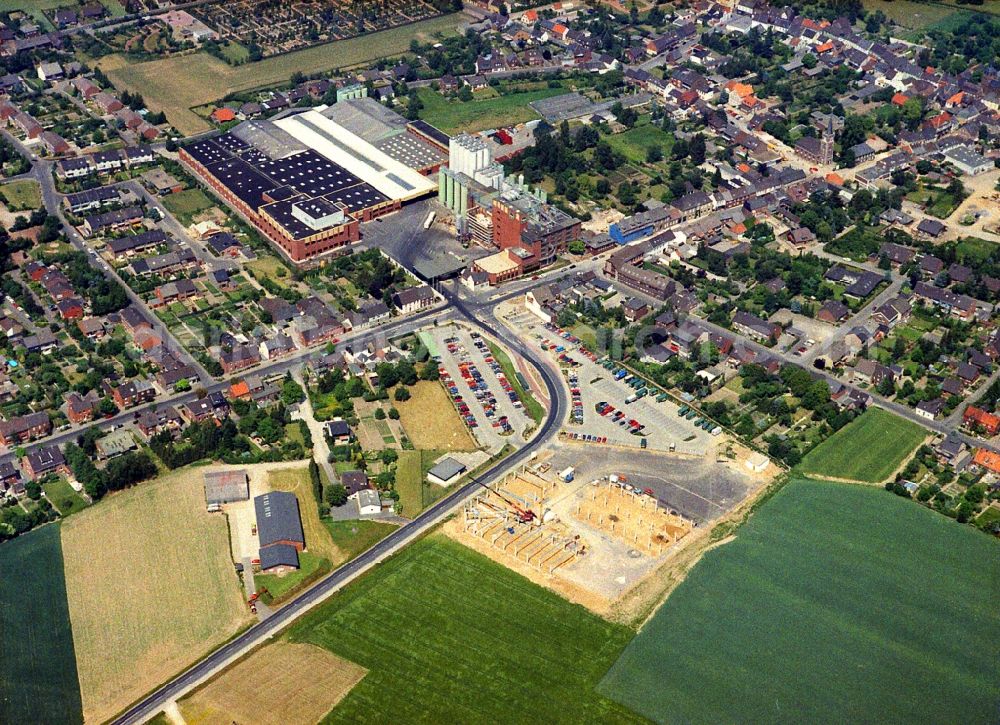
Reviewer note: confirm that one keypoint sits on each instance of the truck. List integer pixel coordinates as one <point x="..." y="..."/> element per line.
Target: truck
<point x="619" y="374"/>
<point x="682" y="410"/>
<point x="661" y="397"/>
<point x="567" y="475"/>
<point x="642" y="443"/>
<point x="631" y="399"/>
<point x="641" y="394"/>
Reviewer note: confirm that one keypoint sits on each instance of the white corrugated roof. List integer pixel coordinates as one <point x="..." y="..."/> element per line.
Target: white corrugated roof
<point x="352" y="152"/>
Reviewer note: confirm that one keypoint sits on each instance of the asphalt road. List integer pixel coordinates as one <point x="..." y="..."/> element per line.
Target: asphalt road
<point x="207" y="667"/>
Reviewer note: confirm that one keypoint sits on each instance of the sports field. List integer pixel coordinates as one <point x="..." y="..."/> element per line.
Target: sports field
<point x="307" y="680"/>
<point x="835" y="603"/>
<point x="431" y="421"/>
<point x="870" y="448"/>
<point x="151" y="588"/>
<point x="177" y="84"/>
<point x="449" y="636"/>
<point x="38" y="681"/>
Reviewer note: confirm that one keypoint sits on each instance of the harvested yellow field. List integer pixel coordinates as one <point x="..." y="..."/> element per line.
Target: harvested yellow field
<point x="179" y="83"/>
<point x="151" y="588"/>
<point x="307" y="681"/>
<point x="431" y="421"/>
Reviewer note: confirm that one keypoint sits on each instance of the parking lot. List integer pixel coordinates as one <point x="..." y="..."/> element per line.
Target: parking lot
<point x="652" y="416"/>
<point x="479" y="389"/>
<point x="699" y="490"/>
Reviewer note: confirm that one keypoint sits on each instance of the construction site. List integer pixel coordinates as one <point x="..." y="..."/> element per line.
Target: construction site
<point x="591" y="540"/>
<point x="512" y="518"/>
<point x="631" y="516"/>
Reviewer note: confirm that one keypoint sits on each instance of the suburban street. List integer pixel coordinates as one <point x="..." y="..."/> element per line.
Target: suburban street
<point x="342" y="576"/>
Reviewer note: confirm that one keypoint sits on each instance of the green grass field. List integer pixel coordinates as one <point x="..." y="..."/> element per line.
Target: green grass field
<point x="449" y="636"/>
<point x="311" y="567"/>
<point x="632" y="144"/>
<point x="355" y="537"/>
<point x="869" y="448"/>
<point x="452" y="116"/>
<point x="835" y="603"/>
<point x="22" y="195"/>
<point x="532" y="407"/>
<point x="411" y="472"/>
<point x="61" y="495"/>
<point x="38" y="678"/>
<point x="186" y="204"/>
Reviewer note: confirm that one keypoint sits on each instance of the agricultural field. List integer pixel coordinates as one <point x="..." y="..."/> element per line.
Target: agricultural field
<point x="186" y="204"/>
<point x="156" y="543"/>
<point x="21" y="195"/>
<point x="453" y="116"/>
<point x="179" y="83"/>
<point x="39" y="681"/>
<point x="911" y="13"/>
<point x="431" y="421"/>
<point x="870" y="448"/>
<point x="834" y="603"/>
<point x="307" y="680"/>
<point x="506" y="650"/>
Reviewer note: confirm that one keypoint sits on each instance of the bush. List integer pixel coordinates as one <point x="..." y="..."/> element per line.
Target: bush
<point x="336" y="495"/>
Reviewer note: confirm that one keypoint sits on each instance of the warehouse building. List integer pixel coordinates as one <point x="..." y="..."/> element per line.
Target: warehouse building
<point x="304" y="180"/>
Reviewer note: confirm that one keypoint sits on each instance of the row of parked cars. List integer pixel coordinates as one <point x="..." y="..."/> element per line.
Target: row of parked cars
<point x="497" y="369"/>
<point x="576" y="414"/>
<point x="704" y="423"/>
<point x="605" y="409"/>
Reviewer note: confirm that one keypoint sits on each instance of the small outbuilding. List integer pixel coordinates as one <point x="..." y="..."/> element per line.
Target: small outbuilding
<point x="446" y="472"/>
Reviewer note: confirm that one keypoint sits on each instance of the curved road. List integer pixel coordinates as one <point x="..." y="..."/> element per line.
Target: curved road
<point x="198" y="673"/>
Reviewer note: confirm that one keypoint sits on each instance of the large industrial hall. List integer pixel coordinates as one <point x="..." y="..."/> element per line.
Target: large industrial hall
<point x="308" y="178"/>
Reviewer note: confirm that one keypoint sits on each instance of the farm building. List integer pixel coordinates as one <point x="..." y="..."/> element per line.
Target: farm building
<point x="279" y="558"/>
<point x="278" y="520"/>
<point x="226" y="487"/>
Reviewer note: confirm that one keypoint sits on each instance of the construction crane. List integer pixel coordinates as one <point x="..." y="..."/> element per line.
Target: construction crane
<point x="524" y="516"/>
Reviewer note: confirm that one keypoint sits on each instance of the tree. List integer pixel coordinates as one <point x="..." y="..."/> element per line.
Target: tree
<point x="393" y="414"/>
<point x="401" y="394"/>
<point x="336" y="495"/>
<point x="654" y="153"/>
<point x="379" y="414"/>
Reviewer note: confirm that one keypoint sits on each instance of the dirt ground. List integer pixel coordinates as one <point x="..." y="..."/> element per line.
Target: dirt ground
<point x="151" y="588"/>
<point x="613" y="579"/>
<point x="307" y="680"/>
